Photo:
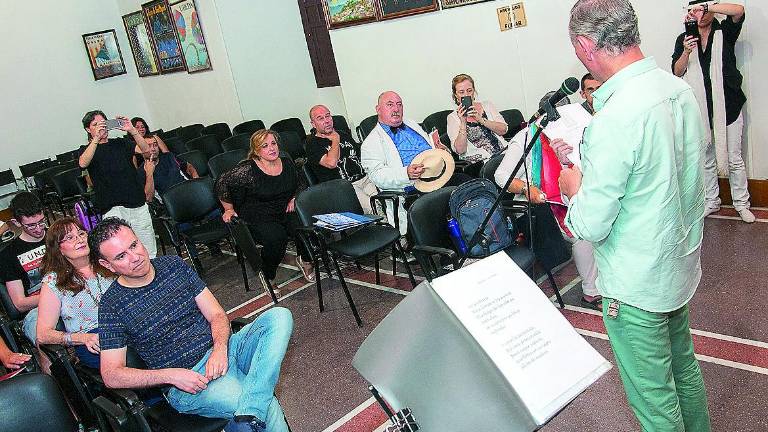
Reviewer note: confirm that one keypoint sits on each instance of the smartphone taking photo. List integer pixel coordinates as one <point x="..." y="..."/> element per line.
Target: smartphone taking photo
<point x="114" y="124"/>
<point x="692" y="28"/>
<point x="466" y="102"/>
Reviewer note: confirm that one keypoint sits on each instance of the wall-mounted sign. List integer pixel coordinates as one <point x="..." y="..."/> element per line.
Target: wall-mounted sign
<point x="518" y="15"/>
<point x="505" y="18"/>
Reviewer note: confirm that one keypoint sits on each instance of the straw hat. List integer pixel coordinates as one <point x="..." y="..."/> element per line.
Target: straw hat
<point x="438" y="169"/>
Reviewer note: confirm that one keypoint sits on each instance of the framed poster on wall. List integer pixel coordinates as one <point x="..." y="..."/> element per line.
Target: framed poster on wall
<point x="163" y="35"/>
<point x="447" y="4"/>
<point x="138" y="38"/>
<point x="190" y="32"/>
<point x="343" y="13"/>
<point x="400" y="8"/>
<point x="104" y="54"/>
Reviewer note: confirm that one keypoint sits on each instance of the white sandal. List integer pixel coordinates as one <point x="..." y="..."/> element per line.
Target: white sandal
<point x="309" y="275"/>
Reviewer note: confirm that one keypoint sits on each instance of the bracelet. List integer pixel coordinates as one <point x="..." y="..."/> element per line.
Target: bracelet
<point x="67" y="339"/>
<point x="706" y="7"/>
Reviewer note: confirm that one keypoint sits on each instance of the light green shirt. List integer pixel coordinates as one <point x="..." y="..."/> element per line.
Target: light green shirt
<point x="641" y="201"/>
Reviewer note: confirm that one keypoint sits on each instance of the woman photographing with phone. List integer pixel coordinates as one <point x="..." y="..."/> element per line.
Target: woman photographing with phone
<point x="72" y="287"/>
<point x="475" y="128"/>
<point x="109" y="161"/>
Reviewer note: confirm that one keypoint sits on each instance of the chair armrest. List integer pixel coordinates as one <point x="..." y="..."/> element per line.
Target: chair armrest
<point x="430" y="259"/>
<point x="382" y="198"/>
<point x="115" y="414"/>
<point x="434" y="250"/>
<point x="55" y="351"/>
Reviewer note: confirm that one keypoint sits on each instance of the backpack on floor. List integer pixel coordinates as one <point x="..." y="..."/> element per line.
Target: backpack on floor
<point x="469" y="203"/>
<point x="87" y="214"/>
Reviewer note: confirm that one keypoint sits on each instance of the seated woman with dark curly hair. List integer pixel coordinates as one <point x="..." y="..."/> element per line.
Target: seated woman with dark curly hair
<point x="261" y="190"/>
<point x="72" y="287"/>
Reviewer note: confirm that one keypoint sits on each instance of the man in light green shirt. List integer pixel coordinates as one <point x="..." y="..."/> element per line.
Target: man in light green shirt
<point x="640" y="200"/>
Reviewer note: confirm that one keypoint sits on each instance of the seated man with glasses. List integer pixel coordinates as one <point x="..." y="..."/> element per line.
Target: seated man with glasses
<point x="20" y="260"/>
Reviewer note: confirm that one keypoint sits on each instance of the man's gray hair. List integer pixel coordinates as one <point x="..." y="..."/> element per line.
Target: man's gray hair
<point x="611" y="24"/>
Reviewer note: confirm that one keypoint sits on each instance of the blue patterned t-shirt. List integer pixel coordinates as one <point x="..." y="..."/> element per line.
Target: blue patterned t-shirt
<point x="161" y="320"/>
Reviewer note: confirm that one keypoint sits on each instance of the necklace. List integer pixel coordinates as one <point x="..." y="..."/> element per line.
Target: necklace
<point x="97" y="298"/>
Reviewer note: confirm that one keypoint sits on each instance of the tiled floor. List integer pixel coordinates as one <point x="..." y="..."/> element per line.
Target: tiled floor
<point x="321" y="391"/>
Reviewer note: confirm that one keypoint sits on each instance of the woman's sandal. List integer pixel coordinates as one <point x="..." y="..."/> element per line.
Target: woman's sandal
<point x="309" y="274"/>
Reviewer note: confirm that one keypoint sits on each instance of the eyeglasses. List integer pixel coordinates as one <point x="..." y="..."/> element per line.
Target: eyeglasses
<point x="33" y="225"/>
<point x="73" y="238"/>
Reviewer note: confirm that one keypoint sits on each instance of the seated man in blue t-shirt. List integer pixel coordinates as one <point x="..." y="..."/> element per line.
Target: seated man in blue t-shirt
<point x="164" y="311"/>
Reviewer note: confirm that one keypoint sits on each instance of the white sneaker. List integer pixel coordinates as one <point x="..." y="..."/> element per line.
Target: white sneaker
<point x="709" y="210"/>
<point x="747" y="215"/>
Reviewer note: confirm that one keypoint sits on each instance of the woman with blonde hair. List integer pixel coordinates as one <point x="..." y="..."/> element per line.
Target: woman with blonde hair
<point x="475" y="131"/>
<point x="261" y="191"/>
<point x="71" y="289"/>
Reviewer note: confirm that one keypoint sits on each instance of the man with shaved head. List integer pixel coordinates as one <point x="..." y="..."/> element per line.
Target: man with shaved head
<point x="333" y="154"/>
<point x="390" y="148"/>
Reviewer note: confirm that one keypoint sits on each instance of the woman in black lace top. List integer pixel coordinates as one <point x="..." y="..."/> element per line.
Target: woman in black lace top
<point x="261" y="190"/>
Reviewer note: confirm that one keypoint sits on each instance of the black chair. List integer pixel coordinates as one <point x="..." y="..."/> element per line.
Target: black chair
<point x="32" y="168"/>
<point x="290" y="124"/>
<point x="207" y="144"/>
<point x="248" y="127"/>
<point x="309" y="175"/>
<point x="237" y="141"/>
<point x="223" y="162"/>
<point x="292" y="143"/>
<point x="44" y="187"/>
<point x="340" y="124"/>
<point x="433" y="247"/>
<point x="10" y="328"/>
<point x="549" y="248"/>
<point x="198" y="160"/>
<point x="515" y="120"/>
<point x="220" y="130"/>
<point x="67" y="156"/>
<point x="190" y="132"/>
<point x="175" y="145"/>
<point x="68" y="188"/>
<point x="173" y="133"/>
<point x="33" y="403"/>
<point x="366" y="126"/>
<point x="437" y="120"/>
<point x="191" y="202"/>
<point x="251" y="252"/>
<point x="337" y="196"/>
<point x="7" y="178"/>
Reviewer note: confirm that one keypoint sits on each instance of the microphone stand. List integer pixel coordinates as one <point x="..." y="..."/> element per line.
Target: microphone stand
<point x="551" y="114"/>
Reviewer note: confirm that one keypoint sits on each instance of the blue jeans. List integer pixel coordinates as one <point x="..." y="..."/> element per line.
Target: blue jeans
<point x="29" y="325"/>
<point x="255" y="355"/>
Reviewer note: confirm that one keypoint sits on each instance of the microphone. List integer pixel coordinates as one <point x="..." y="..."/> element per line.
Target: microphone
<point x="569" y="87"/>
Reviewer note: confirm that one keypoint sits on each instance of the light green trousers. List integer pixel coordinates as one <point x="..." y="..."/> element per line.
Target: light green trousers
<point x="661" y="376"/>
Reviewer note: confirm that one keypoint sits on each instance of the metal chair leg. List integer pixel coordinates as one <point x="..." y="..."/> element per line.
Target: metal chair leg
<point x="399" y="248"/>
<point x="241" y="261"/>
<point x="553" y="284"/>
<point x="346" y="292"/>
<point x="328" y="270"/>
<point x="376" y="268"/>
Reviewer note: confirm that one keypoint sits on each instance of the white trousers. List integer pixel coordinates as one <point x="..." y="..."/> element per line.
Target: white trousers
<point x="141" y="222"/>
<point x="737" y="171"/>
<point x="584" y="258"/>
<point x="365" y="189"/>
